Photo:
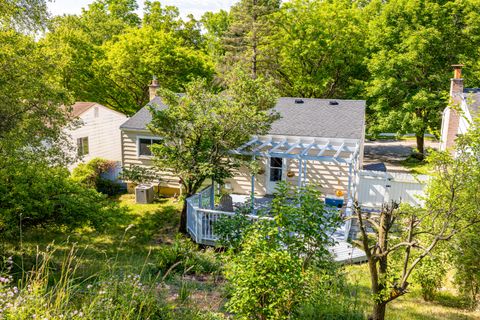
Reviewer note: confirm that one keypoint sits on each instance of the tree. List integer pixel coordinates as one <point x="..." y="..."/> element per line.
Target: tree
<point x="413" y="233"/>
<point x="246" y="36"/>
<point x="413" y="44"/>
<point x="200" y="128"/>
<point x="137" y="55"/>
<point x="280" y="250"/>
<point x="23" y="15"/>
<point x="319" y="48"/>
<point x="259" y="267"/>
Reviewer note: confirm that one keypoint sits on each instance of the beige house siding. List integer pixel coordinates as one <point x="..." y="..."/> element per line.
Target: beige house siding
<point x="169" y="182"/>
<point x="328" y="177"/>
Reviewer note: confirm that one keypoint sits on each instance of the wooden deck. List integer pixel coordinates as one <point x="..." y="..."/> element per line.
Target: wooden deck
<point x="201" y="218"/>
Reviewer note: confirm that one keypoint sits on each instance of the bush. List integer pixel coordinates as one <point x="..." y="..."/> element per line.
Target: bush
<point x="90" y="175"/>
<point x="184" y="257"/>
<point x="430" y="274"/>
<point x="39" y="195"/>
<point x="265" y="281"/>
<point x="329" y="297"/>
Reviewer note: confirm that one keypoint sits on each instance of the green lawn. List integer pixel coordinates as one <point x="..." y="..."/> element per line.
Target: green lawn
<point x="411" y="306"/>
<point x="145" y="239"/>
<point x="129" y="242"/>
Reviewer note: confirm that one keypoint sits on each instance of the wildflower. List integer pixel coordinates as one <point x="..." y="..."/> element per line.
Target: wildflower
<point x="89" y="286"/>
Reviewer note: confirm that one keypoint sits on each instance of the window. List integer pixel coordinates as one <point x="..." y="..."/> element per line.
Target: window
<point x="82" y="146"/>
<point x="144" y="146"/>
<point x="95" y="112"/>
<point x="276" y="169"/>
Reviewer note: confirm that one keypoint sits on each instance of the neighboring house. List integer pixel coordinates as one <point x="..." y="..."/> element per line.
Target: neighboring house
<point x="316" y="141"/>
<point x="98" y="131"/>
<point x="465" y="103"/>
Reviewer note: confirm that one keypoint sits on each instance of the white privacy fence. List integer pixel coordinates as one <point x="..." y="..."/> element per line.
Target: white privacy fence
<point x="375" y="188"/>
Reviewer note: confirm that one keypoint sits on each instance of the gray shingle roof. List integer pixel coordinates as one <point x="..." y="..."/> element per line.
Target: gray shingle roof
<point x="312" y="118"/>
<point x="473" y="100"/>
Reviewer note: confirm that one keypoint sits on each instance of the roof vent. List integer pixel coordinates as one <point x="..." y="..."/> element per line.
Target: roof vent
<point x="333" y="103"/>
<point x="298" y="101"/>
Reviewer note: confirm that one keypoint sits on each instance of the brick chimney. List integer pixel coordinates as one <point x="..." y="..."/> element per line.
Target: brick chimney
<point x="153" y="87"/>
<point x="452" y="120"/>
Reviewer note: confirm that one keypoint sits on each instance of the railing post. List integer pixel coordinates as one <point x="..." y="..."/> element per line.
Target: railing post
<point x="212" y="195"/>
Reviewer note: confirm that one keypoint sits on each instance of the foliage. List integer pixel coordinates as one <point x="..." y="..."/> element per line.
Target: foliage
<point x="330" y="297"/>
<point x="138" y="174"/>
<point x="466" y="260"/>
<point x="90" y="175"/>
<point x="450" y="209"/>
<point x="430" y="274"/>
<point x="23" y="15"/>
<point x="245" y="39"/>
<point x="304" y="225"/>
<point x="200" y="128"/>
<point x="265" y="281"/>
<point x="231" y="230"/>
<point x="183" y="256"/>
<point x="410" y="63"/>
<point x="319" y="48"/>
<point x="39" y="195"/>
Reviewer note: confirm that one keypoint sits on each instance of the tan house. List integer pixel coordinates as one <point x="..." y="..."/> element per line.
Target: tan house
<point x="316" y="141"/>
<point x="463" y="108"/>
<point x="97" y="132"/>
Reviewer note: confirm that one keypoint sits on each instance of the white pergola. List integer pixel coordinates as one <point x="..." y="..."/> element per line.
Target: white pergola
<point x="335" y="150"/>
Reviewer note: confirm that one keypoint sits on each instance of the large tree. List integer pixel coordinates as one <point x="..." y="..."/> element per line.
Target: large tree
<point x="413" y="44"/>
<point x="200" y="128"/>
<point x="245" y="39"/>
<point x="320" y="48"/>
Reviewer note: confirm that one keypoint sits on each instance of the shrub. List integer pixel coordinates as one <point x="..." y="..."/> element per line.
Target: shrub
<point x="90" y="175"/>
<point x="430" y="274"/>
<point x="329" y="297"/>
<point x="183" y="256"/>
<point x="44" y="196"/>
<point x="265" y="281"/>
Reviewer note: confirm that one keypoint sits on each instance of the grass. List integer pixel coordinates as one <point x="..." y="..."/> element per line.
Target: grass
<point x="415" y="165"/>
<point x="411" y="306"/>
<point x="133" y="238"/>
<point x="145" y="241"/>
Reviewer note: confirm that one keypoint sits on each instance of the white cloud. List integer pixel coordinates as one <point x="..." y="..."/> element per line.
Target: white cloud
<point x="196" y="7"/>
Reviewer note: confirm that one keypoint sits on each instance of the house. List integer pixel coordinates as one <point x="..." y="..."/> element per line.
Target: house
<point x="463" y="108"/>
<point x="97" y="133"/>
<point x="316" y="141"/>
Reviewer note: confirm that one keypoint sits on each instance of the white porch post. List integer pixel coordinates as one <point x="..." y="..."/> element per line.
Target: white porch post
<point x="253" y="189"/>
<point x="349" y="195"/>
<point x="304" y="173"/>
<point x="300" y="172"/>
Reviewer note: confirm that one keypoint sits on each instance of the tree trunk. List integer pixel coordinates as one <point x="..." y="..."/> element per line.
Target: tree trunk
<point x="421" y="143"/>
<point x="378" y="311"/>
<point x="183" y="218"/>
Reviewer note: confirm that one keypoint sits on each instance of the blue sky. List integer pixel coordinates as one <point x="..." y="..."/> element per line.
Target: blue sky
<point x="197" y="7"/>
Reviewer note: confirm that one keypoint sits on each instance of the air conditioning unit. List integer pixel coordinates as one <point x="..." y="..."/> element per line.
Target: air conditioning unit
<point x="144" y="193"/>
<point x="334" y="201"/>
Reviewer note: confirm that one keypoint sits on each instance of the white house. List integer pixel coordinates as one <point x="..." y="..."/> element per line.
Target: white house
<point x="98" y="132"/>
<point x="463" y="108"/>
<point x="316" y="141"/>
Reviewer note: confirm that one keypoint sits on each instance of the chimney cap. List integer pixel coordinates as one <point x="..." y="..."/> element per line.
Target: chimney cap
<point x="458" y="66"/>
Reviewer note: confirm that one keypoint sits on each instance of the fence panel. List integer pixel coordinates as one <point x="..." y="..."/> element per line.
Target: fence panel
<point x="376" y="188"/>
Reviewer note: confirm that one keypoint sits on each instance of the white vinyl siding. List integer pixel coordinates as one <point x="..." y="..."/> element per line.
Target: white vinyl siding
<point x="102" y="127"/>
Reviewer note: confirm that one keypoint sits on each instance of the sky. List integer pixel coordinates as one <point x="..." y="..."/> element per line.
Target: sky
<point x="196" y="7"/>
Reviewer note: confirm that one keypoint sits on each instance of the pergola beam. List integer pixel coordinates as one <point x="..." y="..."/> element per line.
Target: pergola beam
<point x="263" y="145"/>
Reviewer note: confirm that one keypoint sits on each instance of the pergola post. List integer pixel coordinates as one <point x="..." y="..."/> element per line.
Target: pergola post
<point x="304" y="173"/>
<point x="253" y="189"/>
<point x="299" y="172"/>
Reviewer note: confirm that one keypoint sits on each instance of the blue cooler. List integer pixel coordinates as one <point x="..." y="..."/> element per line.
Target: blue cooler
<point x="333" y="201"/>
